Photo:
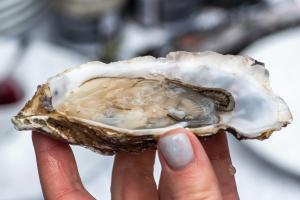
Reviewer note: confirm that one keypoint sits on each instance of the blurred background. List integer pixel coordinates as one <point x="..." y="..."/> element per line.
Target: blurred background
<point x="39" y="38"/>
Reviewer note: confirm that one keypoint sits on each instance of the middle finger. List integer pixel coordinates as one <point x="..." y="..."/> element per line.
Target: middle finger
<point x="132" y="176"/>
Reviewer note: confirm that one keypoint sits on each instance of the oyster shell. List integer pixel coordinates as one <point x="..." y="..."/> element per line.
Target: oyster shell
<point x="126" y="105"/>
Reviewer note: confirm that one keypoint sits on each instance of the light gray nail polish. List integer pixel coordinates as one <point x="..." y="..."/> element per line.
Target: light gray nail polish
<point x="176" y="149"/>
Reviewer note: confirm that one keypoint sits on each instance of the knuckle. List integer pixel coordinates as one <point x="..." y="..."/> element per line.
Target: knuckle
<point x="196" y="194"/>
<point x="66" y="193"/>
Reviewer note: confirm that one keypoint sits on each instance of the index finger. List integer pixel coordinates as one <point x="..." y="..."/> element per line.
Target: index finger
<point x="57" y="169"/>
<point x="216" y="147"/>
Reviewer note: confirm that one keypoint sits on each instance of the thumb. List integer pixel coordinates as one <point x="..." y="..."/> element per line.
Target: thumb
<point x="186" y="170"/>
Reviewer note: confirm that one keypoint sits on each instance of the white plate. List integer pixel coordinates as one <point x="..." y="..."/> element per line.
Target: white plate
<point x="13" y="10"/>
<point x="8" y="4"/>
<point x="20" y="17"/>
<point x="281" y="53"/>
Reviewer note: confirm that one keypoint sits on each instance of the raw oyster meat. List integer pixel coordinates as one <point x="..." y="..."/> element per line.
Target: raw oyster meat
<point x="126" y="105"/>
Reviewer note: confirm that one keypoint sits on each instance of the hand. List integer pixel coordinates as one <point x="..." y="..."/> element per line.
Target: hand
<point x="188" y="172"/>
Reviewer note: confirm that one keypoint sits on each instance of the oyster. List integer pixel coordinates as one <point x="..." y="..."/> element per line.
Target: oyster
<point x="126" y="105"/>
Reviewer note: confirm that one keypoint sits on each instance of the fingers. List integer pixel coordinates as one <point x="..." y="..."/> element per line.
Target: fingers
<point x="57" y="169"/>
<point x="217" y="150"/>
<point x="186" y="169"/>
<point x="132" y="176"/>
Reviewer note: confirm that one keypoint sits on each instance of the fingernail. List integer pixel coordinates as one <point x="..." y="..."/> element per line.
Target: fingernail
<point x="176" y="149"/>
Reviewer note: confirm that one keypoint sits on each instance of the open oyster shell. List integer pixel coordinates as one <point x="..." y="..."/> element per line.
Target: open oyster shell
<point x="126" y="105"/>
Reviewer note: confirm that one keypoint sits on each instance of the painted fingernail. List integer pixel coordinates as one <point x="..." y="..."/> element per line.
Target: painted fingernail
<point x="176" y="149"/>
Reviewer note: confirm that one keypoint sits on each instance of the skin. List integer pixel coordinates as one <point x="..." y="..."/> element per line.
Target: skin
<point x="209" y="176"/>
